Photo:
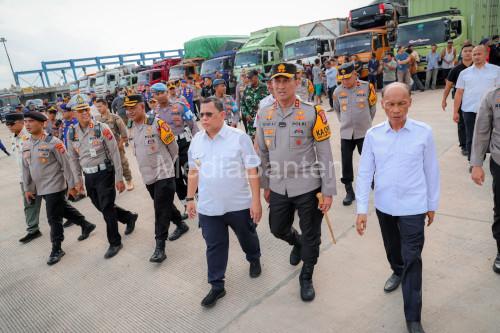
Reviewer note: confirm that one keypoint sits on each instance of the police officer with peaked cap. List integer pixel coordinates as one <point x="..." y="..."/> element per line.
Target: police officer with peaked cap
<point x="354" y="101"/>
<point x="294" y="146"/>
<point x="93" y="149"/>
<point x="156" y="150"/>
<point x="181" y="121"/>
<point x="47" y="173"/>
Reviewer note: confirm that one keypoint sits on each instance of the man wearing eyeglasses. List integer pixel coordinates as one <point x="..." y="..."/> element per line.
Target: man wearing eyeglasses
<point x="93" y="150"/>
<point x="181" y="121"/>
<point x="222" y="157"/>
<point x="15" y="123"/>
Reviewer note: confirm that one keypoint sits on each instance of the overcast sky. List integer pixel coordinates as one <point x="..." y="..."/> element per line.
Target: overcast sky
<point x="38" y="30"/>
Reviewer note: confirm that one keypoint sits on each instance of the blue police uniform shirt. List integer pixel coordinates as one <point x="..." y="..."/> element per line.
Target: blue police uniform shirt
<point x="404" y="167"/>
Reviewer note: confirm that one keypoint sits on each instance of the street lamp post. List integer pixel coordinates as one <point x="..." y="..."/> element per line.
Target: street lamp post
<point x="3" y="40"/>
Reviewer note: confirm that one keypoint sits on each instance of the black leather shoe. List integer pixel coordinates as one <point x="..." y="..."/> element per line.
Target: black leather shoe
<point x="414" y="327"/>
<point x="307" y="292"/>
<point x="181" y="229"/>
<point x="392" y="283"/>
<point x="350" y="196"/>
<point x="131" y="224"/>
<point x="295" y="255"/>
<point x="86" y="230"/>
<point x="30" y="236"/>
<point x="112" y="251"/>
<point x="465" y="152"/>
<point x="55" y="255"/>
<point x="212" y="297"/>
<point x="496" y="264"/>
<point x="255" y="268"/>
<point x="68" y="223"/>
<point x="159" y="254"/>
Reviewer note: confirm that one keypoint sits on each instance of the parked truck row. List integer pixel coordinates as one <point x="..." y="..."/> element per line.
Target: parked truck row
<point x="377" y="29"/>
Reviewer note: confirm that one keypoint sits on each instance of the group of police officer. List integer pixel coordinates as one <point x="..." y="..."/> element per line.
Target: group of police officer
<point x="289" y="133"/>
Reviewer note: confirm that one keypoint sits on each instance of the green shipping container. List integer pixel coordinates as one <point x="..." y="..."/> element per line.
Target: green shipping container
<point x="482" y="16"/>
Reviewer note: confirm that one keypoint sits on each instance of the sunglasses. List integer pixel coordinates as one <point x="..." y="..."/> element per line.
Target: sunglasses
<point x="207" y="114"/>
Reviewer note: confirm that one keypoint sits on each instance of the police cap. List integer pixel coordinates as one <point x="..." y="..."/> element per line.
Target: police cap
<point x="283" y="69"/>
<point x="219" y="81"/>
<point x="133" y="100"/>
<point x="12" y="117"/>
<point x="346" y="70"/>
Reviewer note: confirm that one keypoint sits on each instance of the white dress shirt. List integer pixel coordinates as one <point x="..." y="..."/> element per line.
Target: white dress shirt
<point x="476" y="82"/>
<point x="405" y="167"/>
<point x="222" y="163"/>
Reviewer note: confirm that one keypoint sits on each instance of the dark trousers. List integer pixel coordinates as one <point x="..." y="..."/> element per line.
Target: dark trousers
<point x="216" y="235"/>
<point x="495" y="172"/>
<point x="417" y="84"/>
<point x="58" y="208"/>
<point x="346" y="149"/>
<point x="403" y="241"/>
<point x="462" y="137"/>
<point x="101" y="191"/>
<point x="282" y="209"/>
<point x="162" y="192"/>
<point x="330" y="95"/>
<point x="181" y="169"/>
<point x="469" y="122"/>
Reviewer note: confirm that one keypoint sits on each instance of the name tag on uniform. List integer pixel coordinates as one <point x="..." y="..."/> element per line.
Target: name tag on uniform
<point x="282" y="124"/>
<point x="93" y="152"/>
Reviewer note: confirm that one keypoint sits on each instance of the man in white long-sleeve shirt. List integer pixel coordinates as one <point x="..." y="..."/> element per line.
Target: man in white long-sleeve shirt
<point x="399" y="154"/>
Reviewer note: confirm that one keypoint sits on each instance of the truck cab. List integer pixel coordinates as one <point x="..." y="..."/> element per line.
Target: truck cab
<point x="222" y="62"/>
<point x="309" y="48"/>
<point x="436" y="28"/>
<point x="107" y="80"/>
<point x="257" y="58"/>
<point x="187" y="67"/>
<point x="86" y="83"/>
<point x="363" y="43"/>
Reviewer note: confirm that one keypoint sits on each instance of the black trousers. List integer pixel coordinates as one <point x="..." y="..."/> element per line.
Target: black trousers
<point x="462" y="138"/>
<point x="469" y="122"/>
<point x="403" y="241"/>
<point x="346" y="149"/>
<point x="101" y="191"/>
<point x="216" y="234"/>
<point x="282" y="209"/>
<point x="181" y="169"/>
<point x="58" y="208"/>
<point x="162" y="192"/>
<point x="330" y="95"/>
<point x="495" y="172"/>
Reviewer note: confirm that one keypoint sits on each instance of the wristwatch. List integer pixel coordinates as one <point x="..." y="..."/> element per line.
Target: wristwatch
<point x="189" y="199"/>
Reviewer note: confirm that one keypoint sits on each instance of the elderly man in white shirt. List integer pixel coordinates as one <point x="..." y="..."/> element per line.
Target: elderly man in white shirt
<point x="399" y="154"/>
<point x="471" y="85"/>
<point x="223" y="166"/>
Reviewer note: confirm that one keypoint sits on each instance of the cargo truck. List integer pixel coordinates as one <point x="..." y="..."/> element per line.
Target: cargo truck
<point x="196" y="51"/>
<point x="264" y="49"/>
<point x="222" y="61"/>
<point x="316" y="40"/>
<point x="435" y="22"/>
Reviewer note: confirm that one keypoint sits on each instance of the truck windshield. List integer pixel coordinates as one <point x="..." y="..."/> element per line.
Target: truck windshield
<point x="8" y="100"/>
<point x="176" y="72"/>
<point x="123" y="82"/>
<point x="303" y="49"/>
<point x="99" y="80"/>
<point x="213" y="65"/>
<point x="423" y="33"/>
<point x="143" y="77"/>
<point x="353" y="44"/>
<point x="155" y="75"/>
<point x="251" y="58"/>
<point x="84" y="83"/>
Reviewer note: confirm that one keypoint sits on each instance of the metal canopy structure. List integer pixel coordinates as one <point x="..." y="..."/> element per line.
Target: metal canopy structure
<point x="100" y="63"/>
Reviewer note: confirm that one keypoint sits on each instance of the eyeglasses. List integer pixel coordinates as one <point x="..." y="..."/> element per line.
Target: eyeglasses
<point x="207" y="114"/>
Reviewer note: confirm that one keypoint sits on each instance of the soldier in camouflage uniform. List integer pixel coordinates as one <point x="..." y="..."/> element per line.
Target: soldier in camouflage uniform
<point x="249" y="104"/>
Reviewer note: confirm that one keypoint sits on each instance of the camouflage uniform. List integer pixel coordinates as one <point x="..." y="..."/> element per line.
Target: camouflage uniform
<point x="250" y="104"/>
